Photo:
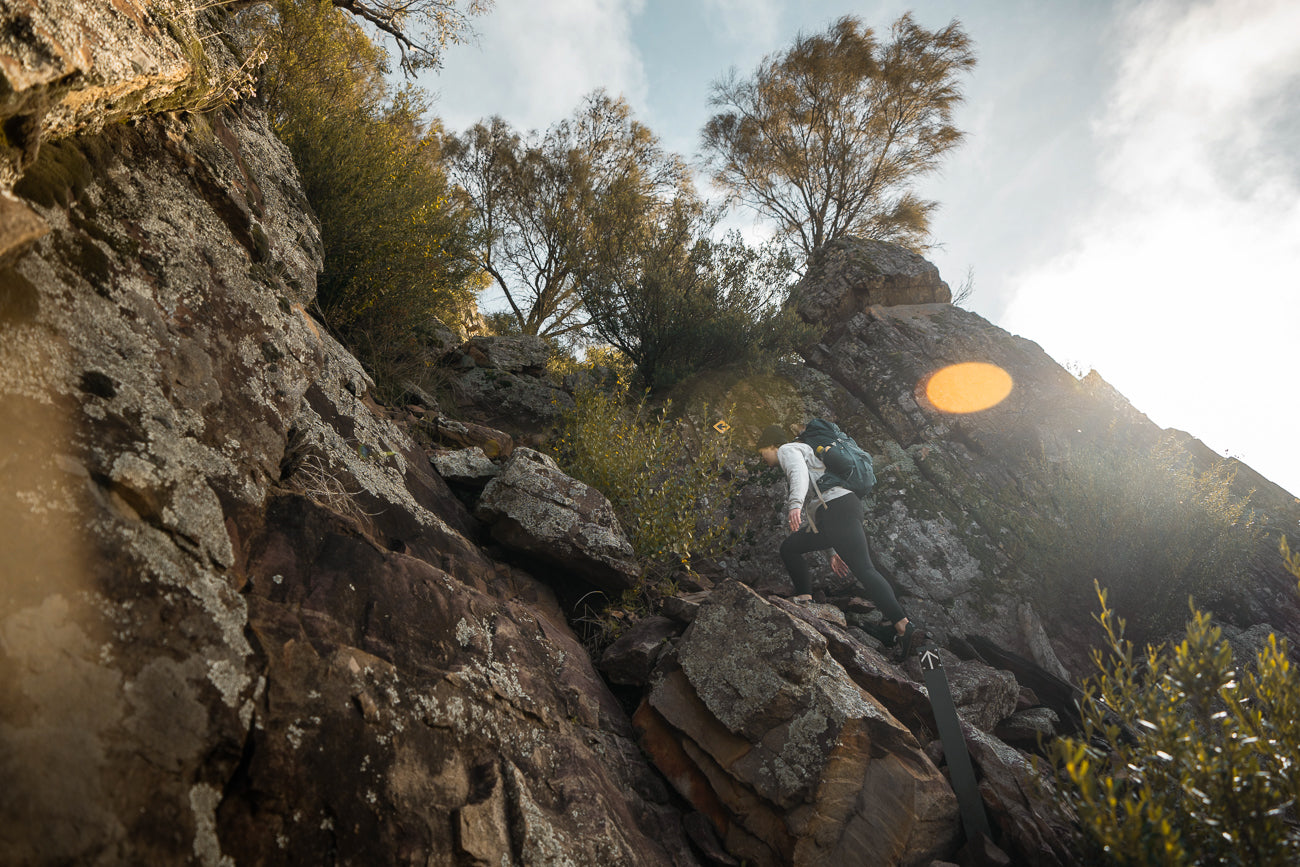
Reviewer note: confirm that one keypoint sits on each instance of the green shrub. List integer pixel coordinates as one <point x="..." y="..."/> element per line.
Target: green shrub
<point x="1148" y="527"/>
<point x="662" y="486"/>
<point x="396" y="238"/>
<point x="678" y="303"/>
<point x="1183" y="758"/>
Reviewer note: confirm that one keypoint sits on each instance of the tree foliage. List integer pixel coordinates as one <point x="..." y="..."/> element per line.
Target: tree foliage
<point x="420" y="29"/>
<point x="544" y="203"/>
<point x="396" y="240"/>
<point x="676" y="302"/>
<point x="828" y="137"/>
<point x="1184" y="758"/>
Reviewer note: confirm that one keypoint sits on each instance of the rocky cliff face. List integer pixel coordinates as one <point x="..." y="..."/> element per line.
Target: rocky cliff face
<point x="242" y="618"/>
<point x="247" y="616"/>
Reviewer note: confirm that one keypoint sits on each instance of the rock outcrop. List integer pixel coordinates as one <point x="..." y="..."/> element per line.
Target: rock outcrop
<point x="802" y="765"/>
<point x="501" y="381"/>
<point x="535" y="509"/>
<point x="242" y="618"/>
<point x="849" y="275"/>
<point x="150" y="382"/>
<point x="958" y="494"/>
<point x="406" y="714"/>
<point x="69" y="67"/>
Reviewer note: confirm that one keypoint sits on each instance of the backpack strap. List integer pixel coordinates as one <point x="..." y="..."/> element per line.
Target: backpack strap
<point x="821" y="498"/>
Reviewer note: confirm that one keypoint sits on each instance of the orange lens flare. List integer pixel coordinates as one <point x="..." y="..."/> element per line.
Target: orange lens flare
<point x="968" y="387"/>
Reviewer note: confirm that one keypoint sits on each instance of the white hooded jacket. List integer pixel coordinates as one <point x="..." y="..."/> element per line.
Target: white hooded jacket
<point x="803" y="469"/>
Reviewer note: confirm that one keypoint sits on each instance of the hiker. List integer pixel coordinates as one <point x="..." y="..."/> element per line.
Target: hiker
<point x="835" y="522"/>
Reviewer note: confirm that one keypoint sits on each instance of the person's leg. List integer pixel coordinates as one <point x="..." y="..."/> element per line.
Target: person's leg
<point x="841" y="523"/>
<point x="792" y="551"/>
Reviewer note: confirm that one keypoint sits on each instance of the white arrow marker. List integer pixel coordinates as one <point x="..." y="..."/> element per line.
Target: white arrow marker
<point x="930" y="659"/>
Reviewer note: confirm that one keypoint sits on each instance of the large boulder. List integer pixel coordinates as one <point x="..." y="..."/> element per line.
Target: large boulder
<point x="509" y="353"/>
<point x="534" y="508"/>
<point x="502" y="381"/>
<point x="468" y="467"/>
<point x="849" y="275"/>
<point x="794" y="762"/>
<point x="984" y="695"/>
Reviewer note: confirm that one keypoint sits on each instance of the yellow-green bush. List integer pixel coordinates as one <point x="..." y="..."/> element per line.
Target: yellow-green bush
<point x="396" y="236"/>
<point x="600" y="360"/>
<point x="663" y="487"/>
<point x="1185" y="758"/>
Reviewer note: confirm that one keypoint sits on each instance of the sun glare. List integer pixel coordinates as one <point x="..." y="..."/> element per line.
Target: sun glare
<point x="968" y="387"/>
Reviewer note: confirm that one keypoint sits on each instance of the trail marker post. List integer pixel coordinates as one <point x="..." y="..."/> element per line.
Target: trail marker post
<point x="960" y="771"/>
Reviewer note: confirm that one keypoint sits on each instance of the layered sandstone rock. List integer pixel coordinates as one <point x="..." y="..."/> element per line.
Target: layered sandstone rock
<point x="796" y="762"/>
<point x="73" y="66"/>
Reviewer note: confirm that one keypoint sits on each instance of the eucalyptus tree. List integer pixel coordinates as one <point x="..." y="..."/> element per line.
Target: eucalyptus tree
<point x="548" y="204"/>
<point x="420" y="29"/>
<point x="828" y="137"/>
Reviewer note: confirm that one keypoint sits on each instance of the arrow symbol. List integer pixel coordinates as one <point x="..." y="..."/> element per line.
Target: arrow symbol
<point x="929" y="659"/>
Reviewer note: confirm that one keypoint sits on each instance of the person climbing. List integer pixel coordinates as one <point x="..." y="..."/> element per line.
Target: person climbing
<point x="835" y="522"/>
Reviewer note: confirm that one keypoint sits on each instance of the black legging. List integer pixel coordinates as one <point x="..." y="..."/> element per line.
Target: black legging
<point x="839" y="526"/>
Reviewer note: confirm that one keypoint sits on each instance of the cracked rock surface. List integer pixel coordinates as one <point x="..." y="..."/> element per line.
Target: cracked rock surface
<point x="242" y="618"/>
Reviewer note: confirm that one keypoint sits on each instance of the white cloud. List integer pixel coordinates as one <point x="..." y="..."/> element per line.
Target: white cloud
<point x="1180" y="284"/>
<point x="746" y="22"/>
<point x="1198" y="90"/>
<point x="533" y="62"/>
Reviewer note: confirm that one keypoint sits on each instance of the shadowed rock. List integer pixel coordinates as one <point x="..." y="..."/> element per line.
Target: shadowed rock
<point x="630" y="659"/>
<point x="467" y="467"/>
<point x="848" y="275"/>
<point x="536" y="509"/>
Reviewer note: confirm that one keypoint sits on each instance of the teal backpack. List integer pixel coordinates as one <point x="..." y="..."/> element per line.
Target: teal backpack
<point x="847" y="464"/>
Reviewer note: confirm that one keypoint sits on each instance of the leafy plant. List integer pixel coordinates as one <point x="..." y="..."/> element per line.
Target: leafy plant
<point x="606" y="365"/>
<point x="677" y="302"/>
<point x="396" y="239"/>
<point x="1183" y="758"/>
<point x="661" y="485"/>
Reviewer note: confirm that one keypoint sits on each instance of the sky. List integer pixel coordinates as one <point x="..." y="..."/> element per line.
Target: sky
<point x="1128" y="195"/>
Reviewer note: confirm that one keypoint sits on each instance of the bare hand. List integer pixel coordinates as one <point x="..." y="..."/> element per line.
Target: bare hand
<point x="796" y="518"/>
<point x="839" y="567"/>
